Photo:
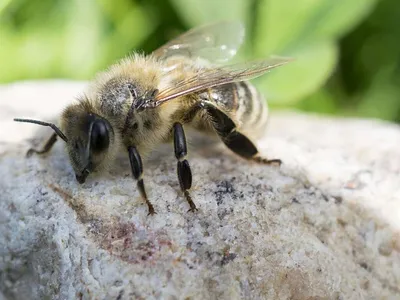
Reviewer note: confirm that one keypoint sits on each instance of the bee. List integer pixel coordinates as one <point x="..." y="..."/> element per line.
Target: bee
<point x="145" y="100"/>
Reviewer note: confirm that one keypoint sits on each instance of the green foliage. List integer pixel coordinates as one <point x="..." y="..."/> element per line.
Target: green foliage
<point x="346" y="52"/>
<point x="306" y="30"/>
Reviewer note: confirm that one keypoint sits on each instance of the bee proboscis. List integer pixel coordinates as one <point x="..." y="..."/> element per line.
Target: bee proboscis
<point x="145" y="100"/>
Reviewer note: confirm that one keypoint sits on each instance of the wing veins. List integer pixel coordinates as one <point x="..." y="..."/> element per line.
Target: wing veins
<point x="213" y="42"/>
<point x="208" y="78"/>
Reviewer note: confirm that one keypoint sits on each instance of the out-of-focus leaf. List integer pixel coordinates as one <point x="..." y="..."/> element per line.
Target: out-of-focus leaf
<point x="306" y="30"/>
<point x="312" y="66"/>
<point x="20" y="49"/>
<point x="132" y="25"/>
<point x="196" y="12"/>
<point x="76" y="38"/>
<point x="81" y="39"/>
<point x="382" y="99"/>
<point x="286" y="24"/>
<point x="319" y="102"/>
<point x="3" y="5"/>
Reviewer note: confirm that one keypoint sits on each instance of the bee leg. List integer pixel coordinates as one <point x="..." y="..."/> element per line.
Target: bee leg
<point x="234" y="140"/>
<point x="183" y="167"/>
<point x="46" y="148"/>
<point x="137" y="172"/>
<point x="241" y="145"/>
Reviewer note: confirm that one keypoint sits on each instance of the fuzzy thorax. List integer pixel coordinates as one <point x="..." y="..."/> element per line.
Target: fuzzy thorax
<point x="110" y="97"/>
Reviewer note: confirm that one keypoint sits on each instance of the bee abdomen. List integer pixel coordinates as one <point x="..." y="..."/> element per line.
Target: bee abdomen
<point x="252" y="111"/>
<point x="225" y="96"/>
<point x="243" y="102"/>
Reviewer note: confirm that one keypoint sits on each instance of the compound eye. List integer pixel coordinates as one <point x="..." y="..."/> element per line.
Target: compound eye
<point x="99" y="140"/>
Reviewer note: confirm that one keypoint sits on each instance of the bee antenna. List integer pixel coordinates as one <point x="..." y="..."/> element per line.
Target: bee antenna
<point x="54" y="127"/>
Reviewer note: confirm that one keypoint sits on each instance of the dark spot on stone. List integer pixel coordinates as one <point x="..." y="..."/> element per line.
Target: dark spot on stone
<point x="204" y="224"/>
<point x="95" y="226"/>
<point x="364" y="265"/>
<point x="121" y="293"/>
<point x="325" y="197"/>
<point x="319" y="270"/>
<point x="214" y="256"/>
<point x="341" y="222"/>
<point x="147" y="124"/>
<point x="12" y="208"/>
<point x="42" y="191"/>
<point x="223" y="188"/>
<point x="260" y="200"/>
<point x="227" y="258"/>
<point x="294" y="200"/>
<point x="225" y="212"/>
<point x="135" y="126"/>
<point x="118" y="282"/>
<point x="219" y="199"/>
<point x="365" y="285"/>
<point x="338" y="199"/>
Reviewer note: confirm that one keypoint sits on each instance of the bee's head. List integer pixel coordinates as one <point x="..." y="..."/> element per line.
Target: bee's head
<point x="89" y="140"/>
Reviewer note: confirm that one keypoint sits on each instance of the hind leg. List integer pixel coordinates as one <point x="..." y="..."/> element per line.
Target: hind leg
<point x="242" y="146"/>
<point x="234" y="140"/>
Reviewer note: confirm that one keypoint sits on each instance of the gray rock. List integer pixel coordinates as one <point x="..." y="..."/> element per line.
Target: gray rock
<point x="326" y="225"/>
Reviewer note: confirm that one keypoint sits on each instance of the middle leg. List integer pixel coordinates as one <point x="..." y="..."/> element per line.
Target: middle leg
<point x="184" y="172"/>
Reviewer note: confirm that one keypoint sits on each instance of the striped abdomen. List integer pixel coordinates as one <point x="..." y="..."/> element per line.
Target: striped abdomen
<point x="243" y="103"/>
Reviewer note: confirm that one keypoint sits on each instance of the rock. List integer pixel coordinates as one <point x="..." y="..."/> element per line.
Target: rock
<point x="326" y="225"/>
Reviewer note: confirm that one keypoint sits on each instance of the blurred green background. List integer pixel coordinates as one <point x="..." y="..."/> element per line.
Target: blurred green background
<point x="347" y="51"/>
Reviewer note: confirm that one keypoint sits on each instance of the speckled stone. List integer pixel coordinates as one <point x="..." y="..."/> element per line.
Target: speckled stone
<point x="326" y="225"/>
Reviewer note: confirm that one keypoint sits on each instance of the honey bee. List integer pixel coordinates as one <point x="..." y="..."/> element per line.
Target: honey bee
<point x="146" y="100"/>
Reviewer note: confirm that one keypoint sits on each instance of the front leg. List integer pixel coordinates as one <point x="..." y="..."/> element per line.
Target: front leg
<point x="183" y="167"/>
<point x="46" y="148"/>
<point x="137" y="172"/>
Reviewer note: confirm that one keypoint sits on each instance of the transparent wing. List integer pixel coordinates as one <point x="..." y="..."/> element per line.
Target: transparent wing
<point x="207" y="78"/>
<point x="216" y="42"/>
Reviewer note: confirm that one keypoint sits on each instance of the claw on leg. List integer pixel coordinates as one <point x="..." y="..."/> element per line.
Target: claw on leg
<point x="137" y="171"/>
<point x="193" y="207"/>
<point x="265" y="161"/>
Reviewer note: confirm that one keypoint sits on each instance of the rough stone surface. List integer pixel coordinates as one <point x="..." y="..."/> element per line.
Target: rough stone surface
<point x="324" y="226"/>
